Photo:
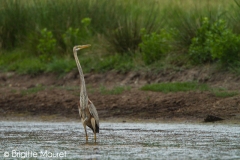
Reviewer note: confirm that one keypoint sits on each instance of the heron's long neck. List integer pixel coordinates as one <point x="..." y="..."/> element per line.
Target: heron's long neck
<point x="83" y="91"/>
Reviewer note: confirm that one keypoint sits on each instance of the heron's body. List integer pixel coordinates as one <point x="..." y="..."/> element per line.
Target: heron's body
<point x="87" y="110"/>
<point x="86" y="113"/>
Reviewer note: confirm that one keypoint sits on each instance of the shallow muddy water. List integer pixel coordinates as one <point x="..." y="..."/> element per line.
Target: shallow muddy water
<point x="66" y="140"/>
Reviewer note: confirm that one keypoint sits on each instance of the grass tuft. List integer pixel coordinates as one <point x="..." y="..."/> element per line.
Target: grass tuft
<point x="175" y="87"/>
<point x="32" y="90"/>
<point x="187" y="86"/>
<point x="224" y="94"/>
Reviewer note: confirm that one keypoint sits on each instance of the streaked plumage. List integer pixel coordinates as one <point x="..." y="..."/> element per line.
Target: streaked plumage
<point x="87" y="110"/>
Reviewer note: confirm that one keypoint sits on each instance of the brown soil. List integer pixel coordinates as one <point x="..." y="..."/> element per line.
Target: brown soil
<point x="59" y="96"/>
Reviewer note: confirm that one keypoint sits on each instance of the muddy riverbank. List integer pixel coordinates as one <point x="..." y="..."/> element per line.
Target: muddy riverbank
<point x="48" y="96"/>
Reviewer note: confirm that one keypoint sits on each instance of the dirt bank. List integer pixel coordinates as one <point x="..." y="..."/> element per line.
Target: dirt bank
<point x="59" y="95"/>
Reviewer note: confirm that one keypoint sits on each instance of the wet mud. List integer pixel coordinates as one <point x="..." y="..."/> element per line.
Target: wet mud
<point x="50" y="95"/>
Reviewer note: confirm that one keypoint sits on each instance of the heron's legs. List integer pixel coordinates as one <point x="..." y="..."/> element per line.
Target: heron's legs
<point x="95" y="137"/>
<point x="84" y="125"/>
<point x="94" y="128"/>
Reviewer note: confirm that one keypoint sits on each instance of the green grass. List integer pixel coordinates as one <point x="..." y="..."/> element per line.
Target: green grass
<point x="33" y="90"/>
<point x="175" y="87"/>
<point x="61" y="65"/>
<point x="117" y="62"/>
<point x="21" y="63"/>
<point x="224" y="93"/>
<point x="187" y="86"/>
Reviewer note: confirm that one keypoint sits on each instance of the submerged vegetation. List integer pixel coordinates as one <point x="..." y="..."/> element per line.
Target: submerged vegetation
<point x="37" y="36"/>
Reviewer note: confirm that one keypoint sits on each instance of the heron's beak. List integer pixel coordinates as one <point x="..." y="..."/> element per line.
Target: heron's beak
<point x="83" y="46"/>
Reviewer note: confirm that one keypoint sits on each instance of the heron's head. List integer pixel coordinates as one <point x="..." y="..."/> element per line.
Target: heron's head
<point x="78" y="47"/>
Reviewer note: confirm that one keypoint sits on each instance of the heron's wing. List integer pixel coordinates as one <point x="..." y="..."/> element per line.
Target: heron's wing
<point x="93" y="112"/>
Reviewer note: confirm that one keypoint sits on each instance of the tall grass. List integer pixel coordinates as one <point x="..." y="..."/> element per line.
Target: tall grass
<point x="186" y="18"/>
<point x="115" y="24"/>
<point x="118" y="20"/>
<point x="14" y="22"/>
<point x="126" y="36"/>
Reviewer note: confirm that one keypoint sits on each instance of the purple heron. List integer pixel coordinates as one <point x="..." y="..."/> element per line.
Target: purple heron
<point x="87" y="110"/>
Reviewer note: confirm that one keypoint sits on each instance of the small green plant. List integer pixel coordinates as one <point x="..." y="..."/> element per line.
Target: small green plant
<point x="86" y="22"/>
<point x="214" y="41"/>
<point x="225" y="45"/>
<point x="224" y="94"/>
<point x="75" y="36"/>
<point x="46" y="45"/>
<point x="33" y="90"/>
<point x="155" y="45"/>
<point x="199" y="50"/>
<point x="71" y="37"/>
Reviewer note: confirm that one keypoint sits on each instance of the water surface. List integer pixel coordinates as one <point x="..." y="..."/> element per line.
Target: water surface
<point x="66" y="140"/>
